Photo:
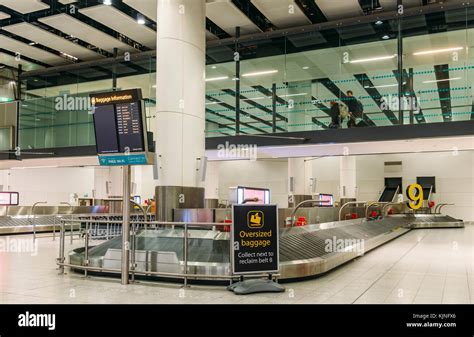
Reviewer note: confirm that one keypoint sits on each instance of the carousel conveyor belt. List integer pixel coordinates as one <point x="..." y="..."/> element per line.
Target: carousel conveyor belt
<point x="303" y="250"/>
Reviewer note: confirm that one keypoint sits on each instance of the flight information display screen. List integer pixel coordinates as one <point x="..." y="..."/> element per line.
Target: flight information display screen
<point x="118" y="121"/>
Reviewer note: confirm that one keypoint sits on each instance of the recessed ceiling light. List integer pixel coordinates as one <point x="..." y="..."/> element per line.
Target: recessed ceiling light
<point x="258" y="73"/>
<point x="32" y="43"/>
<point x="108" y="2"/>
<point x="141" y="21"/>
<point x="214" y="67"/>
<point x="378" y="22"/>
<point x="385" y="37"/>
<point x="305" y="68"/>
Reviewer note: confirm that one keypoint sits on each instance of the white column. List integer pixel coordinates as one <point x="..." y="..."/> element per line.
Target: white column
<point x="347" y="177"/>
<point x="297" y="173"/>
<point x="299" y="93"/>
<point x="212" y="180"/>
<point x="102" y="175"/>
<point x="180" y="90"/>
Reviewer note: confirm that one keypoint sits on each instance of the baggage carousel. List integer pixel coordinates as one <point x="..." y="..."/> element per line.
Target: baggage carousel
<point x="305" y="251"/>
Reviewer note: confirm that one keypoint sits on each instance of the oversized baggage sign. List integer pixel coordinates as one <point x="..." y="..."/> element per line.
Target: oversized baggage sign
<point x="255" y="239"/>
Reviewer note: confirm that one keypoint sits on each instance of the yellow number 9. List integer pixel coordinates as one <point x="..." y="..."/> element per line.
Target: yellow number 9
<point x="415" y="194"/>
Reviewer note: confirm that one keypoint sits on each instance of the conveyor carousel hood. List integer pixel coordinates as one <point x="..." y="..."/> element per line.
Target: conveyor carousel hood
<point x="304" y="251"/>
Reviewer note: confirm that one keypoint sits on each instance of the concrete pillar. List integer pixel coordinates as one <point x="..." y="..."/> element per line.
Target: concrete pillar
<point x="212" y="180"/>
<point x="347" y="177"/>
<point x="111" y="176"/>
<point x="180" y="93"/>
<point x="180" y="90"/>
<point x="297" y="174"/>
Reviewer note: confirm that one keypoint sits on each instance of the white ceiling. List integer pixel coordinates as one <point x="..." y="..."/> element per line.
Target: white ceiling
<point x="283" y="13"/>
<point x="24" y="6"/>
<point x="31" y="52"/>
<point x="115" y="19"/>
<point x="146" y="7"/>
<point x="227" y="16"/>
<point x="51" y="40"/>
<point x="72" y="26"/>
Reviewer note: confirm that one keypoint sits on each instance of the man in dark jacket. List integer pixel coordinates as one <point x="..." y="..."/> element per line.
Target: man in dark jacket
<point x="335" y="116"/>
<point x="355" y="109"/>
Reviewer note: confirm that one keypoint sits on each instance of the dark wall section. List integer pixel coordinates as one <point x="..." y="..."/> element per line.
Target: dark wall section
<point x="353" y="135"/>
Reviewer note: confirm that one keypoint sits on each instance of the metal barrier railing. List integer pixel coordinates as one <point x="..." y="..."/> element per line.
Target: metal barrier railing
<point x="351" y="203"/>
<point x="439" y="207"/>
<point x="135" y="225"/>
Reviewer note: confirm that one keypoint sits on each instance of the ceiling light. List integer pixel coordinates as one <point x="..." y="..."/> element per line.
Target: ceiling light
<point x="385" y="37"/>
<point x="214" y="67"/>
<point x="153" y="86"/>
<point x="108" y="2"/>
<point x="141" y="21"/>
<point x="258" y="73"/>
<point x="305" y="68"/>
<point x="372" y="59"/>
<point x="32" y="43"/>
<point x="378" y="22"/>
<point x="220" y="78"/>
<point x="292" y="95"/>
<point x="382" y="86"/>
<point x="436" y="51"/>
<point x="444" y="80"/>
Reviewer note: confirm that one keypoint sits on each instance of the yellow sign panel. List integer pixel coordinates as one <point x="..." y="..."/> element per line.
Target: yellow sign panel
<point x="255" y="219"/>
<point x="415" y="194"/>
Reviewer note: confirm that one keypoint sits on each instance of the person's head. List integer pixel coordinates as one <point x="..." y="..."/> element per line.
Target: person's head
<point x="350" y="93"/>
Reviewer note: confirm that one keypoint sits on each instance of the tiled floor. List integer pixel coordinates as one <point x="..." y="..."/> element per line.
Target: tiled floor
<point x="422" y="266"/>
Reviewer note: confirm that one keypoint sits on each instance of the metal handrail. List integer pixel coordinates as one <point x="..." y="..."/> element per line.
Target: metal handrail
<point x="295" y="209"/>
<point x="369" y="205"/>
<point x="141" y="208"/>
<point x="184" y="275"/>
<point x="390" y="204"/>
<point x="34" y="215"/>
<point x="350" y="203"/>
<point x="440" y="206"/>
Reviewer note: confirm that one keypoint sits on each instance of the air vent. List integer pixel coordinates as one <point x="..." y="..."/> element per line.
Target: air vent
<point x="392" y="166"/>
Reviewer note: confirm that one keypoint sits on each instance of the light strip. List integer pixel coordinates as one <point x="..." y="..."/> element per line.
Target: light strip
<point x="380" y="58"/>
<point x="382" y="86"/>
<point x="292" y="95"/>
<point x="211" y="79"/>
<point x="258" y="73"/>
<point x="435" y="51"/>
<point x="445" y="80"/>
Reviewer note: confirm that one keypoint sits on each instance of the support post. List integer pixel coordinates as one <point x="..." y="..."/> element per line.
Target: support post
<point x="126" y="226"/>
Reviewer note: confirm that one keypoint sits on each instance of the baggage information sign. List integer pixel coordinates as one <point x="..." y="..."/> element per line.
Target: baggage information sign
<point x="255" y="239"/>
<point x="119" y="122"/>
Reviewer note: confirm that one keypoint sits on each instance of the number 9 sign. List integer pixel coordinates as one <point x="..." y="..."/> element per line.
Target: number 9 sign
<point x="415" y="194"/>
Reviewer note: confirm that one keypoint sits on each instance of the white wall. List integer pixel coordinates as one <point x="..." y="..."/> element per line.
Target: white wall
<point x="264" y="174"/>
<point x="53" y="185"/>
<point x="454" y="177"/>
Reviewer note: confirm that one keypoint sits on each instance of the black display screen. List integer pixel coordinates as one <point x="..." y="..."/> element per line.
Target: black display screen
<point x="118" y="122"/>
<point x="129" y="126"/>
<point x="106" y="129"/>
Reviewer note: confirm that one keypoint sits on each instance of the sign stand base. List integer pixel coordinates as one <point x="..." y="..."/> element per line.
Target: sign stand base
<point x="254" y="286"/>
